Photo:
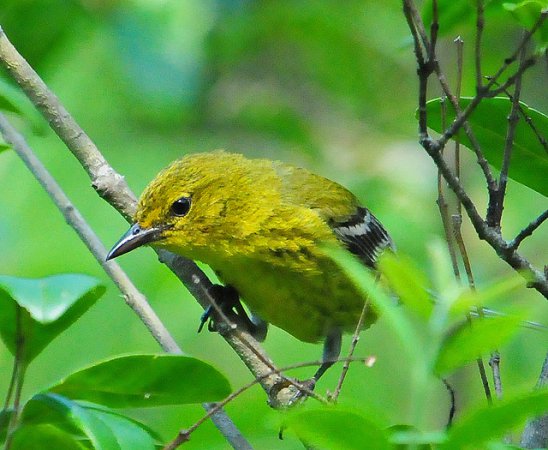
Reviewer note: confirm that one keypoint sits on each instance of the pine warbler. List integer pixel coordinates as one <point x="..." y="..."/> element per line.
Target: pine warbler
<point x="260" y="225"/>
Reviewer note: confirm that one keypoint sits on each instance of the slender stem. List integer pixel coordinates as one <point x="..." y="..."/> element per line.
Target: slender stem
<point x="538" y="279"/>
<point x="457" y="226"/>
<point x="460" y="56"/>
<point x="434" y="28"/>
<point x="452" y="409"/>
<point x="20" y="370"/>
<point x="353" y="344"/>
<point x="528" y="230"/>
<point x="494" y="362"/>
<point x="444" y="212"/>
<point x="184" y="435"/>
<point x="513" y="120"/>
<point x="11" y="385"/>
<point x="480" y="22"/>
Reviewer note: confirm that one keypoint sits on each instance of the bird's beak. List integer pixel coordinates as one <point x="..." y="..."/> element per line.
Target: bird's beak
<point x="133" y="238"/>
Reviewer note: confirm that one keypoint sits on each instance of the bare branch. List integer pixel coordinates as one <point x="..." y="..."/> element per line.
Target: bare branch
<point x="184" y="435"/>
<point x="537" y="279"/>
<point x="513" y="119"/>
<point x="353" y="344"/>
<point x="528" y="230"/>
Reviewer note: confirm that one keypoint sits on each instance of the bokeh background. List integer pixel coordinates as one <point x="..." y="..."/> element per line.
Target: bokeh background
<point x="326" y="85"/>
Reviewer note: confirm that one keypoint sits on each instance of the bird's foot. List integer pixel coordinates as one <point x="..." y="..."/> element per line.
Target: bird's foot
<point x="229" y="310"/>
<point x="286" y="394"/>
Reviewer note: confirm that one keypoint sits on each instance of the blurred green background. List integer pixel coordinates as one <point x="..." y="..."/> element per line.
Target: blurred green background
<point x="322" y="84"/>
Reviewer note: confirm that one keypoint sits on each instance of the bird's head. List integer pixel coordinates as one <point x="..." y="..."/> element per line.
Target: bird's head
<point x="202" y="201"/>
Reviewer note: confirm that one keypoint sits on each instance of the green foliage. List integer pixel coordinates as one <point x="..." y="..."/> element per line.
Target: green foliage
<point x="488" y="423"/>
<point x="104" y="429"/>
<point x="445" y="349"/>
<point x="340" y="429"/>
<point x="313" y="83"/>
<point x="528" y="13"/>
<point x="489" y="122"/>
<point x="408" y="282"/>
<point x="468" y="341"/>
<point x="38" y="310"/>
<point x="12" y="100"/>
<point x="34" y="312"/>
<point x="33" y="438"/>
<point x="140" y="381"/>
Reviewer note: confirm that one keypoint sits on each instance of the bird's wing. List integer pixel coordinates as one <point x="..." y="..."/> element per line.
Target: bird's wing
<point x="363" y="235"/>
<point x="354" y="225"/>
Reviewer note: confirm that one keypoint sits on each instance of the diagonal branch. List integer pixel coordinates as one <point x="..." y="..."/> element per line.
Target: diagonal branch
<point x="133" y="297"/>
<point x="528" y="230"/>
<point x="536" y="278"/>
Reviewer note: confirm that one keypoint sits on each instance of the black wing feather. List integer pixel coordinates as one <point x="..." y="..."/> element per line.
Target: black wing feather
<point x="363" y="235"/>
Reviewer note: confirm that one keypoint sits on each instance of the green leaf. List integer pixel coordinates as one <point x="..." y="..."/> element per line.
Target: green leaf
<point x="365" y="282"/>
<point x="14" y="101"/>
<point x="3" y="145"/>
<point x="492" y="422"/>
<point x="83" y="421"/>
<point x="337" y="429"/>
<point x="466" y="343"/>
<point x="408" y="282"/>
<point x="138" y="381"/>
<point x="34" y="437"/>
<point x="489" y="121"/>
<point x="527" y="13"/>
<point x="69" y="415"/>
<point x="43" y="307"/>
<point x="129" y="434"/>
<point x="453" y="14"/>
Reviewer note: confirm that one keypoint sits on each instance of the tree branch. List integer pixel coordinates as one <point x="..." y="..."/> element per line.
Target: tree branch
<point x="133" y="297"/>
<point x="528" y="230"/>
<point x="536" y="278"/>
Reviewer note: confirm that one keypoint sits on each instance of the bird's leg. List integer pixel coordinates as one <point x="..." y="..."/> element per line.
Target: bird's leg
<point x="228" y="300"/>
<point x="331" y="352"/>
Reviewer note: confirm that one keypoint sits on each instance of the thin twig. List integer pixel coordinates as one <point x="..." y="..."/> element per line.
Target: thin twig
<point x="135" y="299"/>
<point x="184" y="435"/>
<point x="453" y="406"/>
<point x="434" y="28"/>
<point x="460" y="64"/>
<point x="513" y="119"/>
<point x="541" y="139"/>
<point x="537" y="279"/>
<point x="20" y="370"/>
<point x="528" y="230"/>
<point x="444" y="211"/>
<point x="494" y="362"/>
<point x="230" y="328"/>
<point x="480" y="22"/>
<point x="355" y="339"/>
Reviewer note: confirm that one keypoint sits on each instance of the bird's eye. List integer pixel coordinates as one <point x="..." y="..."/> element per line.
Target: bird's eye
<point x="181" y="207"/>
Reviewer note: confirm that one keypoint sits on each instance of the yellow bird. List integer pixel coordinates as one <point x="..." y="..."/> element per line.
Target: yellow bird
<point x="261" y="225"/>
